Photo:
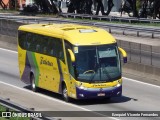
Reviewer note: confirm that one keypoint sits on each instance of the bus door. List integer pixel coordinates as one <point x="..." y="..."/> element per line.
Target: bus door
<point x="49" y="73"/>
<point x="70" y="74"/>
<point x="59" y="68"/>
<point x="53" y="60"/>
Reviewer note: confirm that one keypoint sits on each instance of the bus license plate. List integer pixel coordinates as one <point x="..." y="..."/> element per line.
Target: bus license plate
<point x="101" y="94"/>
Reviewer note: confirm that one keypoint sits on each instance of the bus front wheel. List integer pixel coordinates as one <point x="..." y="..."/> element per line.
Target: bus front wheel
<point x="33" y="85"/>
<point x="65" y="94"/>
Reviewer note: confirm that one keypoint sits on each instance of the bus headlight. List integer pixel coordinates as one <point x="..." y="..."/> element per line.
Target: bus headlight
<point x="80" y="86"/>
<point x="118" y="85"/>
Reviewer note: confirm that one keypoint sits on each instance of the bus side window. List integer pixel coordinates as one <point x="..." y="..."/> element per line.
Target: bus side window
<point x="51" y="47"/>
<point x="29" y="42"/>
<point x="37" y="48"/>
<point x="46" y="44"/>
<point x="51" y="52"/>
<point x="41" y="43"/>
<point x="37" y="43"/>
<point x="28" y="45"/>
<point x="70" y="66"/>
<point x="61" y="55"/>
<point x="22" y="39"/>
<point x="45" y="50"/>
<point x="59" y="49"/>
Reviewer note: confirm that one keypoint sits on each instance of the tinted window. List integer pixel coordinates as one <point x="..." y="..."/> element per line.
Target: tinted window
<point x="41" y="44"/>
<point x="22" y="39"/>
<point x="70" y="66"/>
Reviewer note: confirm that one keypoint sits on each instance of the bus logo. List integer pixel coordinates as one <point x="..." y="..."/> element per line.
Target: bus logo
<point x="46" y="62"/>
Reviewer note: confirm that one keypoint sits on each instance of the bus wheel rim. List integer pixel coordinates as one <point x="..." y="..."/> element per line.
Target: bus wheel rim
<point x="33" y="84"/>
<point x="65" y="93"/>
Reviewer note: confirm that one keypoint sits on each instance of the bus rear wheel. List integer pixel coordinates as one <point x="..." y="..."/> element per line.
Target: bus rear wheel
<point x="65" y="94"/>
<point x="33" y="85"/>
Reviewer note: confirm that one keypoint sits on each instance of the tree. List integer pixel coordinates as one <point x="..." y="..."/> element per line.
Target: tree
<point x="85" y="6"/>
<point x="47" y="6"/>
<point x="100" y="7"/>
<point x="110" y="6"/>
<point x="134" y="7"/>
<point x="156" y="7"/>
<point x="3" y="5"/>
<point x="13" y="4"/>
<point x="150" y="8"/>
<point x="127" y="6"/>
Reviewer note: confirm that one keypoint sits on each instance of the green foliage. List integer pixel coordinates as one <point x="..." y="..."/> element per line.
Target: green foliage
<point x="4" y="109"/>
<point x="138" y="4"/>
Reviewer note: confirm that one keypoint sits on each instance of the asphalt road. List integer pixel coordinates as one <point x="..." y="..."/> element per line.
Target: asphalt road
<point x="137" y="96"/>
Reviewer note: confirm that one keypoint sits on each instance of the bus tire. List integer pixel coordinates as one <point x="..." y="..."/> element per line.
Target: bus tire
<point x="65" y="94"/>
<point x="33" y="85"/>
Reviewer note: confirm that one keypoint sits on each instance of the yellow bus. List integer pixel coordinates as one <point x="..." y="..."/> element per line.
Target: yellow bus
<point x="80" y="62"/>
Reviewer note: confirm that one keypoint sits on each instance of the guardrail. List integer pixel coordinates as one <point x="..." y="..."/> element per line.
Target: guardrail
<point x="112" y="28"/>
<point x="109" y="18"/>
<point x="13" y="109"/>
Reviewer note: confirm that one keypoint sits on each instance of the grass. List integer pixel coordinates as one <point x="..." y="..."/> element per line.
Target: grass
<point x="3" y="118"/>
<point x="8" y="11"/>
<point x="4" y="109"/>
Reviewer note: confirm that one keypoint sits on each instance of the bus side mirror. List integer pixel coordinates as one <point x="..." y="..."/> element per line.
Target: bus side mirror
<point x="71" y="55"/>
<point x="123" y="52"/>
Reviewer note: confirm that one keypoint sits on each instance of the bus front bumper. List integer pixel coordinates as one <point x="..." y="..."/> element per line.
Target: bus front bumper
<point x="92" y="93"/>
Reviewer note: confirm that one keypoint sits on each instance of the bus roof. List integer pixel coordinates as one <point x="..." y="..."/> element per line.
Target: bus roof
<point x="74" y="33"/>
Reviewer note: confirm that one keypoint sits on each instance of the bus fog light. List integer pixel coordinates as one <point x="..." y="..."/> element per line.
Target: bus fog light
<point x="81" y="95"/>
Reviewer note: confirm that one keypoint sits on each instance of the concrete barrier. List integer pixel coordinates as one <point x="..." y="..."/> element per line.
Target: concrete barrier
<point x="8" y="42"/>
<point x="141" y="70"/>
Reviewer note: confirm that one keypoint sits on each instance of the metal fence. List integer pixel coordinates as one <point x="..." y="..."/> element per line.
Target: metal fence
<point x="110" y="18"/>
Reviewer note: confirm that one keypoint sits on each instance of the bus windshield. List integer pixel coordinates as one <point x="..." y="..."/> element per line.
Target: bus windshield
<point x="97" y="63"/>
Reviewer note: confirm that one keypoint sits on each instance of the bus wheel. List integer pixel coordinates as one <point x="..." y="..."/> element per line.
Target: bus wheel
<point x="33" y="85"/>
<point x="65" y="94"/>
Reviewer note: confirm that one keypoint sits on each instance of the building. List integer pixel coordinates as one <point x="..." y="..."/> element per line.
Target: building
<point x="19" y="4"/>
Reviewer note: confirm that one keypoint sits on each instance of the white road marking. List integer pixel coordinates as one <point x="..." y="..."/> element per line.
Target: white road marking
<point x="54" y="99"/>
<point x="133" y="80"/>
<point x="8" y="50"/>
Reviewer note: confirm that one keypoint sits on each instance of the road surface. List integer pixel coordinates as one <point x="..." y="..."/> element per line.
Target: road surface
<point x="137" y="96"/>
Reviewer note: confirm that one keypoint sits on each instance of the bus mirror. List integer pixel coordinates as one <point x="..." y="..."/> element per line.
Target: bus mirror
<point x="123" y="52"/>
<point x="71" y="55"/>
<point x="124" y="59"/>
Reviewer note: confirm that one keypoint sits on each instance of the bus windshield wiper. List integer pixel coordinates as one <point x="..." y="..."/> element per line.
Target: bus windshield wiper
<point x="95" y="67"/>
<point x="107" y="74"/>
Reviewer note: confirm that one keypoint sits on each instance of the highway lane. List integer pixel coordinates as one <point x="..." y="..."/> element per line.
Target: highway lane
<point x="136" y="96"/>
